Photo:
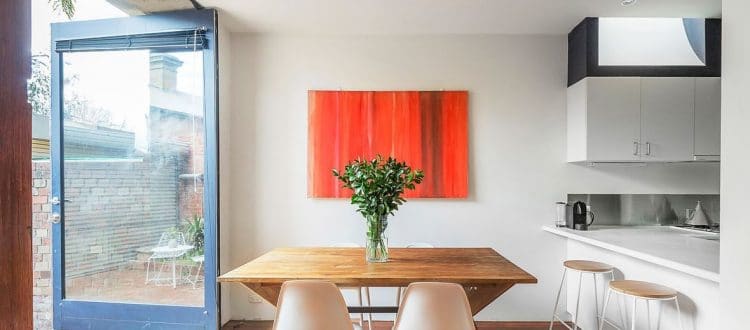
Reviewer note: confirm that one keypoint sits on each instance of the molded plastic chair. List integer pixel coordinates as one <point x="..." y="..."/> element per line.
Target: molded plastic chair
<point x="358" y="290"/>
<point x="311" y="305"/>
<point x="434" y="306"/>
<point x="415" y="245"/>
<point x="420" y="245"/>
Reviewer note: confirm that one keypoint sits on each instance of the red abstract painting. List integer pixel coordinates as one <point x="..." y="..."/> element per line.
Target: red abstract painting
<point x="426" y="129"/>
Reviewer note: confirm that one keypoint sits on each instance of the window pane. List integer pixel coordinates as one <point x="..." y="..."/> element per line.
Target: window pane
<point x="651" y="41"/>
<point x="133" y="177"/>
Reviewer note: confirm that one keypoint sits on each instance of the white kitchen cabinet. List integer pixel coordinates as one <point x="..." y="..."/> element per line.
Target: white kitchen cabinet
<point x="643" y="119"/>
<point x="667" y="119"/>
<point x="604" y="119"/>
<point x="707" y="118"/>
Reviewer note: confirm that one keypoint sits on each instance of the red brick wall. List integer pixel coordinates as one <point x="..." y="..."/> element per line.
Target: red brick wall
<point x="191" y="197"/>
<point x="41" y="247"/>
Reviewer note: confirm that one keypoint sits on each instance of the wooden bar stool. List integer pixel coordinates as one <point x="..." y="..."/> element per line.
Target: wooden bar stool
<point x="582" y="267"/>
<point x="642" y="291"/>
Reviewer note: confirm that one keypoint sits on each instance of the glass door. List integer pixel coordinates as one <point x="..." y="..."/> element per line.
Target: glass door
<point x="135" y="173"/>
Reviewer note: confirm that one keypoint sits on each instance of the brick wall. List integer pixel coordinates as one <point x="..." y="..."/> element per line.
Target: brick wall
<point x="191" y="196"/>
<point x="115" y="207"/>
<point x="41" y="238"/>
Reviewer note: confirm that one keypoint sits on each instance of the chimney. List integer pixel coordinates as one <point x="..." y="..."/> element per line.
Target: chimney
<point x="164" y="71"/>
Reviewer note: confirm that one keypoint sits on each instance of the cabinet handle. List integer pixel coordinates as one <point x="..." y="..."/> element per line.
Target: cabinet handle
<point x="648" y="148"/>
<point x="636" y="146"/>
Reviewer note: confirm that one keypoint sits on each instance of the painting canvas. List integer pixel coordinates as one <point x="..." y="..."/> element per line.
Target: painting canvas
<point x="427" y="129"/>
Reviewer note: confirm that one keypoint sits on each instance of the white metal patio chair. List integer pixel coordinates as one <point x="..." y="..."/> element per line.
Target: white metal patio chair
<point x="171" y="246"/>
<point x="198" y="276"/>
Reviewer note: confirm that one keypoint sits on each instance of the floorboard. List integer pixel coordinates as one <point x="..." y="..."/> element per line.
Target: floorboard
<point x="386" y="325"/>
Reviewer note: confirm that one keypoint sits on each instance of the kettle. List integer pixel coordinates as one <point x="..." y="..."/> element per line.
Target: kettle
<point x="579" y="218"/>
<point x="697" y="217"/>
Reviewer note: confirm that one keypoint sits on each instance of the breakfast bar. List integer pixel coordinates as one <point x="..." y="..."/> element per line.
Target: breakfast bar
<point x="685" y="260"/>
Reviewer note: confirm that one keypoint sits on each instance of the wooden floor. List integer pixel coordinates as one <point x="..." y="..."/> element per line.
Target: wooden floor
<point x="384" y="325"/>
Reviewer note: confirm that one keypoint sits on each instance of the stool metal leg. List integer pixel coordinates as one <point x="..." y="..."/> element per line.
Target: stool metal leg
<point x="623" y="310"/>
<point x="596" y="296"/>
<point x="648" y="313"/>
<point x="632" y="325"/>
<point x="658" y="315"/>
<point x="578" y="301"/>
<point x="604" y="309"/>
<point x="679" y="313"/>
<point x="557" y="300"/>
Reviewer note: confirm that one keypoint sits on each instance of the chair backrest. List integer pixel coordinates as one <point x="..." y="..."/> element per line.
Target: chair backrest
<point x="420" y="245"/>
<point x="311" y="305"/>
<point x="345" y="245"/>
<point x="434" y="306"/>
<point x="171" y="235"/>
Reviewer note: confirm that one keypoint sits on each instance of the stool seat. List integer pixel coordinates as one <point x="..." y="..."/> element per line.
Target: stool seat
<point x="588" y="266"/>
<point x="643" y="289"/>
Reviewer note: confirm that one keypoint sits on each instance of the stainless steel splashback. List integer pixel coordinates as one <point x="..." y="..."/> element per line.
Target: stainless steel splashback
<point x="645" y="209"/>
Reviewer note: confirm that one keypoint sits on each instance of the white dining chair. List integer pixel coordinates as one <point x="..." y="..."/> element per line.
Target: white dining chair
<point x="415" y="245"/>
<point x="311" y="305"/>
<point x="358" y="290"/>
<point x="434" y="306"/>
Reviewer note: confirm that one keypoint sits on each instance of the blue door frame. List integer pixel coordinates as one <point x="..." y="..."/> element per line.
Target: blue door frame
<point x="75" y="314"/>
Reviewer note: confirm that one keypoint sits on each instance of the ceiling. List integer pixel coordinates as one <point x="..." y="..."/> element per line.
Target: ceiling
<point x="138" y="7"/>
<point x="391" y="17"/>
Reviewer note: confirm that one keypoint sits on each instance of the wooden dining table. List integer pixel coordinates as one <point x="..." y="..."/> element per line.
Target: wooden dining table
<point x="484" y="273"/>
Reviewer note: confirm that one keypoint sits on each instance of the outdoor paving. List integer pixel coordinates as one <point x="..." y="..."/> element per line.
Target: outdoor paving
<point x="130" y="286"/>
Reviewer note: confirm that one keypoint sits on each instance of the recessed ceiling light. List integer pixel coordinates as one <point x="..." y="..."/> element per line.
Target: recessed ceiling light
<point x="628" y="2"/>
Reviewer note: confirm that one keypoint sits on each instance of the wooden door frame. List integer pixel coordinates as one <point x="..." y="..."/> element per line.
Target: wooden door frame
<point x="15" y="167"/>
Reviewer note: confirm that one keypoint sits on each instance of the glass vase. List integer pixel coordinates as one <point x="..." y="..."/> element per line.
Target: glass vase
<point x="376" y="245"/>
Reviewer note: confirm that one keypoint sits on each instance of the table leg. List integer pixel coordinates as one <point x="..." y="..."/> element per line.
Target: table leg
<point x="482" y="295"/>
<point x="269" y="292"/>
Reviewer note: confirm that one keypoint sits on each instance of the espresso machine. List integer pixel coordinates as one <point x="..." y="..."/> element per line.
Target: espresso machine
<point x="574" y="216"/>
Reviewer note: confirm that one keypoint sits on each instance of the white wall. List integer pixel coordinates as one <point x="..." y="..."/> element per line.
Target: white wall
<point x="225" y="150"/>
<point x="735" y="157"/>
<point x="517" y="152"/>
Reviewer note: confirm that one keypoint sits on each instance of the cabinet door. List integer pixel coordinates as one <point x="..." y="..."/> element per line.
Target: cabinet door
<point x="667" y="118"/>
<point x="613" y="119"/>
<point x="707" y="116"/>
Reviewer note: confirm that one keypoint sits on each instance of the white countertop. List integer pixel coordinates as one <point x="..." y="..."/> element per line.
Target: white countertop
<point x="664" y="246"/>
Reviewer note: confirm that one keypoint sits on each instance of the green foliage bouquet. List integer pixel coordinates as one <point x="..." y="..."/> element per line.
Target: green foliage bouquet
<point x="377" y="188"/>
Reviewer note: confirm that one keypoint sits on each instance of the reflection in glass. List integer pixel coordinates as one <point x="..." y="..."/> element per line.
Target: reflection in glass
<point x="133" y="177"/>
<point x="651" y="41"/>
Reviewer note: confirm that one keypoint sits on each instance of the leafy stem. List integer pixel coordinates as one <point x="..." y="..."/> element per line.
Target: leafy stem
<point x="378" y="185"/>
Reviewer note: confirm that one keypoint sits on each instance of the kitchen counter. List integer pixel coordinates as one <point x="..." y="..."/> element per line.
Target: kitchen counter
<point x="696" y="254"/>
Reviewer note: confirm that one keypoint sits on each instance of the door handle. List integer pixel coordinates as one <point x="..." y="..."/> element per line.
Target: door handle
<point x="648" y="148"/>
<point x="56" y="201"/>
<point x="636" y="146"/>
